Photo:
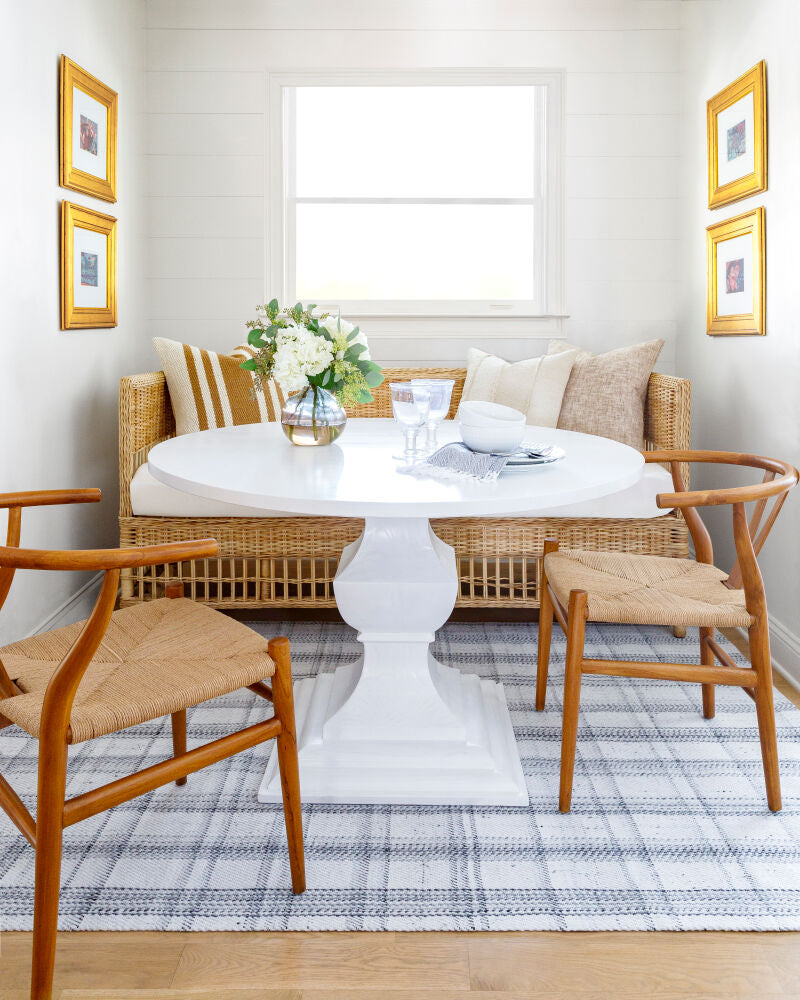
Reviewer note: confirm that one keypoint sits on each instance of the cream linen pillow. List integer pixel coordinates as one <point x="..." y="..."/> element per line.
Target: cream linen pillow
<point x="535" y="386"/>
<point x="210" y="390"/>
<point x="606" y="393"/>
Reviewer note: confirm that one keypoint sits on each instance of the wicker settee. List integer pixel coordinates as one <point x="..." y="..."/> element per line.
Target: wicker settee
<point x="274" y="562"/>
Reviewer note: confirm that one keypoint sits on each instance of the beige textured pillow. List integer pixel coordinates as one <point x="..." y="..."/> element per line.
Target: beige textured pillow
<point x="211" y="390"/>
<point x="606" y="393"/>
<point x="535" y="386"/>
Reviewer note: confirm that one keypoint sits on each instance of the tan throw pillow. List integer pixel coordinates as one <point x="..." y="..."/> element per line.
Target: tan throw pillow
<point x="535" y="386"/>
<point x="210" y="390"/>
<point x="606" y="393"/>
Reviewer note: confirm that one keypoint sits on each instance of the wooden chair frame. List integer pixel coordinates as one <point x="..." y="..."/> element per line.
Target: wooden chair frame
<point x="749" y="537"/>
<point x="54" y="812"/>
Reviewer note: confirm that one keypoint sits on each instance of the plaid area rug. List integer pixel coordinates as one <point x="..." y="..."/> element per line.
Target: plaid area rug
<point x="669" y="828"/>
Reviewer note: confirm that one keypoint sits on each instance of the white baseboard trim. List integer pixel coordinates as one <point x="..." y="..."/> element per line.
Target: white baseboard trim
<point x="74" y="609"/>
<point x="785" y="651"/>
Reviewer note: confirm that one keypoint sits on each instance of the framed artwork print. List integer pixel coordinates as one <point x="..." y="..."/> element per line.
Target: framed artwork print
<point x="736" y="268"/>
<point x="737" y="139"/>
<point x="88" y="268"/>
<point x="88" y="133"/>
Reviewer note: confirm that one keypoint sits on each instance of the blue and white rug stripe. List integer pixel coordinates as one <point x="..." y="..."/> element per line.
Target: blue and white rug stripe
<point x="669" y="828"/>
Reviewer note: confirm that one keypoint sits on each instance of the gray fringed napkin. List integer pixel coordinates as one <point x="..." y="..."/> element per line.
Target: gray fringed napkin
<point x="457" y="460"/>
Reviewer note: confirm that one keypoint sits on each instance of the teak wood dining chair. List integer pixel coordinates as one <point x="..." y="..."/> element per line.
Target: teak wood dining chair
<point x="138" y="664"/>
<point x="580" y="586"/>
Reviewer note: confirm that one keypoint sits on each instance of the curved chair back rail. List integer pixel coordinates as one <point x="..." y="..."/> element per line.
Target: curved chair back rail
<point x="49" y="498"/>
<point x="54" y="812"/>
<point x="13" y="503"/>
<point x="779" y="477"/>
<point x="630" y="593"/>
<point x="770" y="485"/>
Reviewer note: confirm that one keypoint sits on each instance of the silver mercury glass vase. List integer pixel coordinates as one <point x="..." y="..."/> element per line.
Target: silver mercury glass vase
<point x="313" y="417"/>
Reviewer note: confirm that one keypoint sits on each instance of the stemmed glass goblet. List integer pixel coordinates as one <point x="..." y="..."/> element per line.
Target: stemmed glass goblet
<point x="411" y="406"/>
<point x="441" y="389"/>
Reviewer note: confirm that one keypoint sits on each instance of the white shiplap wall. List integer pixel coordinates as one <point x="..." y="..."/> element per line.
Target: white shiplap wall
<point x="58" y="388"/>
<point x="744" y="389"/>
<point x="205" y="103"/>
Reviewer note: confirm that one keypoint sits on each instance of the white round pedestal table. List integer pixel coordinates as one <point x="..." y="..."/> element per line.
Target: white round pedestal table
<point x="396" y="726"/>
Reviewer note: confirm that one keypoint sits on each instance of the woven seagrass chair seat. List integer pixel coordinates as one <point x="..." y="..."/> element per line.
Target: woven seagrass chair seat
<point x="580" y="586"/>
<point x="647" y="590"/>
<point x="155" y="659"/>
<point x="119" y="669"/>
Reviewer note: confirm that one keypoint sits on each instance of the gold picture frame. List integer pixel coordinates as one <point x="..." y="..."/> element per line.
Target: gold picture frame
<point x="88" y="108"/>
<point x="738" y="271"/>
<point x="88" y="268"/>
<point x="740" y="169"/>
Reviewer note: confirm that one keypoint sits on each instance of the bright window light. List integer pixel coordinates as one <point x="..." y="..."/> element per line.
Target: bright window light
<point x="415" y="142"/>
<point x="381" y="251"/>
<point x="417" y="199"/>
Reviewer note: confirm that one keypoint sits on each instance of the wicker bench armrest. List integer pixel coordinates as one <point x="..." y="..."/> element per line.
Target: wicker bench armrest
<point x="667" y="416"/>
<point x="667" y="412"/>
<point x="145" y="418"/>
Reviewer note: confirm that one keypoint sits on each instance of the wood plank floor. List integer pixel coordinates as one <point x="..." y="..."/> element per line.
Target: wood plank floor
<point x="421" y="966"/>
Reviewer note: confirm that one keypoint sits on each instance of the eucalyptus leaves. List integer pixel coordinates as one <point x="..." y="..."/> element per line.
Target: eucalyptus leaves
<point x="300" y="350"/>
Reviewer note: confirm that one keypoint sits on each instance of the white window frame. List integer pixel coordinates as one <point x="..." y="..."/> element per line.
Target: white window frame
<point x="548" y="198"/>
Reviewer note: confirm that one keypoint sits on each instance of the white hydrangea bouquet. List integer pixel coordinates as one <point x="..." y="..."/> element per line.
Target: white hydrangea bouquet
<point x="302" y="351"/>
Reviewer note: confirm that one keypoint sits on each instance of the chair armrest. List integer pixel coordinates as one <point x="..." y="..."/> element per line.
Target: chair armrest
<point x="49" y="498"/>
<point x="107" y="559"/>
<point x="145" y="418"/>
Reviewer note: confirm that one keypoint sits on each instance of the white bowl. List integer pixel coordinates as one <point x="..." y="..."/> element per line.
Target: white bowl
<point x="498" y="437"/>
<point x="478" y="413"/>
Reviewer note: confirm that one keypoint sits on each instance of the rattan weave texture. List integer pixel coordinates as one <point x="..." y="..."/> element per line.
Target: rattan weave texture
<point x="291" y="562"/>
<point x="647" y="590"/>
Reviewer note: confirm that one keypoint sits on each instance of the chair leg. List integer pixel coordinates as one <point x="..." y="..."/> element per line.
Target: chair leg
<point x="765" y="710"/>
<point x="576" y="634"/>
<point x="173" y="591"/>
<point x="49" y="832"/>
<point x="179" y="738"/>
<point x="707" y="659"/>
<point x="679" y="631"/>
<point x="283" y="700"/>
<point x="545" y="632"/>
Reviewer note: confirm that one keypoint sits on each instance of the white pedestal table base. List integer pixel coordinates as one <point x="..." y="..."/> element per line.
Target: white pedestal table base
<point x="396" y="726"/>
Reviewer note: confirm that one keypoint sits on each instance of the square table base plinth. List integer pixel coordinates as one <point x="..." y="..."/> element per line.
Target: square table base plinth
<point x="396" y="726"/>
<point x="481" y="769"/>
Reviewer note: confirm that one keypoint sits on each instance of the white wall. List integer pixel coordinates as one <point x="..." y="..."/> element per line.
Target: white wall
<point x="58" y="390"/>
<point x="206" y="86"/>
<point x="193" y="215"/>
<point x="745" y="394"/>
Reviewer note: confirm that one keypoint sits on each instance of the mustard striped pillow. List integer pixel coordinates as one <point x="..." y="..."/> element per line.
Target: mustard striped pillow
<point x="210" y="390"/>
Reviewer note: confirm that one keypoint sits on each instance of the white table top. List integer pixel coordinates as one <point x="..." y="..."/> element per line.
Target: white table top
<point x="255" y="465"/>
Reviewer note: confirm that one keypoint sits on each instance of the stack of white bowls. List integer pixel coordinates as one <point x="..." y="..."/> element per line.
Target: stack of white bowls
<point x="490" y="427"/>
